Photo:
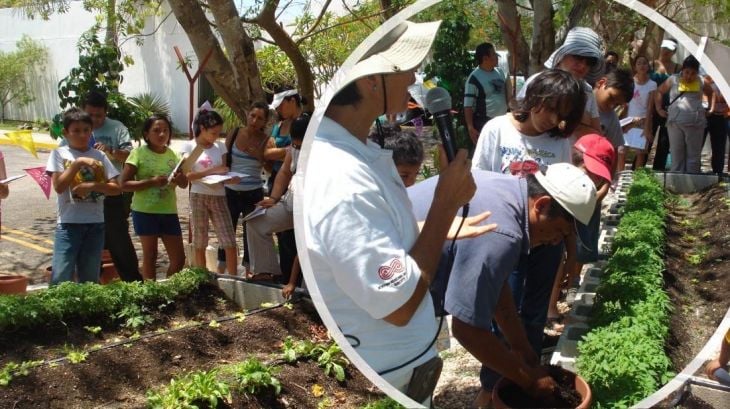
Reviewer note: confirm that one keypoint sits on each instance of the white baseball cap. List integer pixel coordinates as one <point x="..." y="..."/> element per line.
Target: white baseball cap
<point x="279" y="97"/>
<point x="669" y="45"/>
<point x="402" y="49"/>
<point x="572" y="188"/>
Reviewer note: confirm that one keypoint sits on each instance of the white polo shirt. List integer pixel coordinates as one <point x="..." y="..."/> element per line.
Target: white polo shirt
<point x="359" y="228"/>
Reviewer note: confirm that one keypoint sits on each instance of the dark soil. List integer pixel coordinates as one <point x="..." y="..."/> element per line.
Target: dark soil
<point x="565" y="396"/>
<point x="118" y="377"/>
<point x="697" y="273"/>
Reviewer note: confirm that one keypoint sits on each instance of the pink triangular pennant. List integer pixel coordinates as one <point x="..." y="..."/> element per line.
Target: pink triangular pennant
<point x="42" y="178"/>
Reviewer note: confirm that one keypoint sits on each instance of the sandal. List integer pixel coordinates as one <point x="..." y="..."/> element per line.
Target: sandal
<point x="555" y="324"/>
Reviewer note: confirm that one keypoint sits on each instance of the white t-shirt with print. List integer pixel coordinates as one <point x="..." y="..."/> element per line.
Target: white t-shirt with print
<point x="638" y="103"/>
<point x="502" y="148"/>
<point x="359" y="228"/>
<point x="89" y="209"/>
<point x="210" y="157"/>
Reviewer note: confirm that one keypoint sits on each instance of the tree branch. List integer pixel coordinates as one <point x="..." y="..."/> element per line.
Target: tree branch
<point x="342" y="23"/>
<point x="319" y="19"/>
<point x="148" y="34"/>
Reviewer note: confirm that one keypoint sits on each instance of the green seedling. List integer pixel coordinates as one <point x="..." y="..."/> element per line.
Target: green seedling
<point x="191" y="390"/>
<point x="252" y="376"/>
<point x="134" y="317"/>
<point x="12" y="370"/>
<point x="93" y="330"/>
<point x="76" y="356"/>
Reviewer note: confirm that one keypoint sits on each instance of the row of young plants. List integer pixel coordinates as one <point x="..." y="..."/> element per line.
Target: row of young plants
<point x="623" y="357"/>
<point x="250" y="377"/>
<point x="89" y="302"/>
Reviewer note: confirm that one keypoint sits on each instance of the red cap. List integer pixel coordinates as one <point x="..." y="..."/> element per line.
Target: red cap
<point x="598" y="154"/>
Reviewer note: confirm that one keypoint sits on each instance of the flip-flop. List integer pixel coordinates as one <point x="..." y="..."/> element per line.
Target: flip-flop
<point x="261" y="277"/>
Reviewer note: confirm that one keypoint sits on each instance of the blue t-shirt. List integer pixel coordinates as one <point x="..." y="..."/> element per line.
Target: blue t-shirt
<point x="482" y="264"/>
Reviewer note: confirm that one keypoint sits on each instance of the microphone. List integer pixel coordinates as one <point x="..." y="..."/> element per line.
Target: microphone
<point x="438" y="102"/>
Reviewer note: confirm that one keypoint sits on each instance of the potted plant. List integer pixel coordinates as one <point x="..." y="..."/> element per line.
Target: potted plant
<point x="13" y="284"/>
<point x="572" y="392"/>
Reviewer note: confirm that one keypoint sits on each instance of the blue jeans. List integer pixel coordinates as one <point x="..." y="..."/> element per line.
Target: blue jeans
<point x="77" y="247"/>
<point x="531" y="286"/>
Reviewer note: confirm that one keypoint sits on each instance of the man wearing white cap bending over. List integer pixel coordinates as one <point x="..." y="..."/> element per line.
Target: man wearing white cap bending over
<point x="535" y="210"/>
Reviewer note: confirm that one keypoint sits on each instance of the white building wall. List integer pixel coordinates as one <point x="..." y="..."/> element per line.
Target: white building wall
<point x="155" y="68"/>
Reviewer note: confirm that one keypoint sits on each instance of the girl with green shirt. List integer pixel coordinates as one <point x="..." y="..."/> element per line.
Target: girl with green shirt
<point x="147" y="173"/>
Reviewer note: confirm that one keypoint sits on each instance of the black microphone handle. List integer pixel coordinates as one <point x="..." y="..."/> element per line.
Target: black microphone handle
<point x="446" y="130"/>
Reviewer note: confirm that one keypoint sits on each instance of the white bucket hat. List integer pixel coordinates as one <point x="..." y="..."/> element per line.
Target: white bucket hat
<point x="279" y="97"/>
<point x="402" y="49"/>
<point x="572" y="188"/>
<point x="584" y="42"/>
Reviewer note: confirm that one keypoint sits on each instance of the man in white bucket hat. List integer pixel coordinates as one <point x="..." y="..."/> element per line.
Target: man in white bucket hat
<point x="371" y="263"/>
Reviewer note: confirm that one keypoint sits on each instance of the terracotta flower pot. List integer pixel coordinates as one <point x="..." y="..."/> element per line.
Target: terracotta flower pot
<point x="108" y="273"/>
<point x="506" y="391"/>
<point x="13" y="284"/>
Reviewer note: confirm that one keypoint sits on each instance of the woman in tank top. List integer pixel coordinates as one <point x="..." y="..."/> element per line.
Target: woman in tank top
<point x="247" y="149"/>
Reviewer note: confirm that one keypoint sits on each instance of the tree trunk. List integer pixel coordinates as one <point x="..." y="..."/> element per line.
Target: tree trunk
<point x="305" y="79"/>
<point x="543" y="35"/>
<point x="238" y="83"/>
<point x="111" y="38"/>
<point x="509" y="21"/>
<point x="576" y="13"/>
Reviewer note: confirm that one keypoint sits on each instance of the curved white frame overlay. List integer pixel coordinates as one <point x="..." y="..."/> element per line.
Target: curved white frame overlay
<point x="300" y="177"/>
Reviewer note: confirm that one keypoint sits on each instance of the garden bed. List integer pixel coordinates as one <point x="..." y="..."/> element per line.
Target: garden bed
<point x="121" y="365"/>
<point x="697" y="275"/>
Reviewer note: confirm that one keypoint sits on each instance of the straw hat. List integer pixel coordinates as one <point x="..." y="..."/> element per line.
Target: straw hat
<point x="401" y="49"/>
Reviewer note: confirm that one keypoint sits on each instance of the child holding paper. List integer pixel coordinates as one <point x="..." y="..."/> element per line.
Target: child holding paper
<point x="148" y="172"/>
<point x="208" y="201"/>
<point x="81" y="177"/>
<point x="638" y="137"/>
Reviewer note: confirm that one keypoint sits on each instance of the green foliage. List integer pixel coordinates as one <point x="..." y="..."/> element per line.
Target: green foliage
<point x="92" y="329"/>
<point x="134" y="316"/>
<point x="328" y="356"/>
<point x="89" y="302"/>
<point x="12" y="370"/>
<point x="452" y="62"/>
<point x="332" y="360"/>
<point x="145" y="105"/>
<point x="623" y="357"/>
<point x="191" y="391"/>
<point x="16" y="68"/>
<point x="230" y="119"/>
<point x="385" y="403"/>
<point x="252" y="376"/>
<point x="75" y="356"/>
<point x="294" y="350"/>
<point x="100" y="69"/>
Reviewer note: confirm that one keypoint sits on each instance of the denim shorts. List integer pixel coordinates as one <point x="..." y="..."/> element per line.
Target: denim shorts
<point x="152" y="224"/>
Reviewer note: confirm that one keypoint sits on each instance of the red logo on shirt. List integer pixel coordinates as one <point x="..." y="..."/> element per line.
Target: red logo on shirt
<point x="387" y="272"/>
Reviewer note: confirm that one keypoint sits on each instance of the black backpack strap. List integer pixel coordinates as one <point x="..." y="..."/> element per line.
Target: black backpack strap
<point x="229" y="146"/>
